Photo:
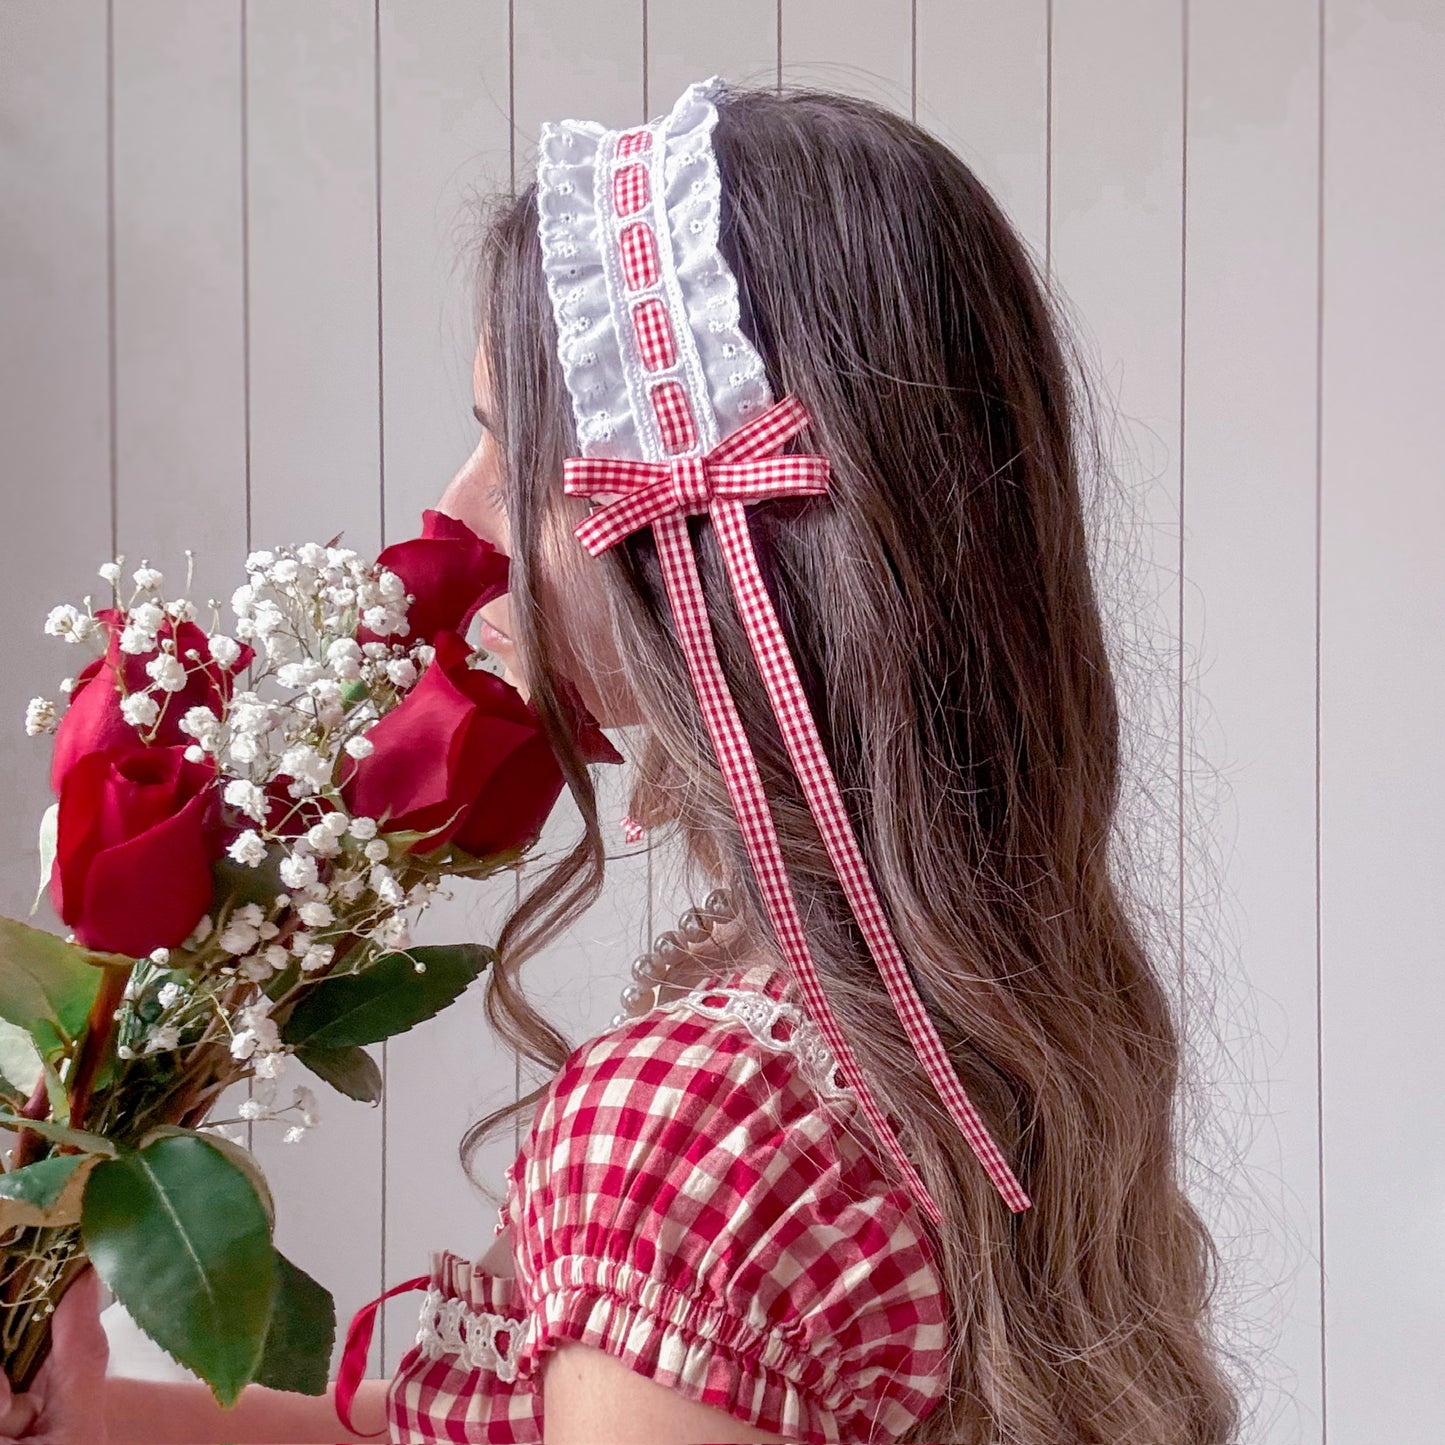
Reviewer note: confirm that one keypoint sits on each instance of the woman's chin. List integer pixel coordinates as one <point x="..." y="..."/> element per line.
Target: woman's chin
<point x="509" y="676"/>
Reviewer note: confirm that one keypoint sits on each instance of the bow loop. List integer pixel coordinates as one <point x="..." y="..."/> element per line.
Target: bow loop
<point x="745" y="466"/>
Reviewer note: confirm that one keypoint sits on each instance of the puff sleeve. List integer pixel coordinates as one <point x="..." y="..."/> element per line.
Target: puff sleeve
<point x="689" y="1203"/>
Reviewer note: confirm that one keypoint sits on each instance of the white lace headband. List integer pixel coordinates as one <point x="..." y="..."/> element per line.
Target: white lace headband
<point x="675" y="416"/>
<point x="640" y="292"/>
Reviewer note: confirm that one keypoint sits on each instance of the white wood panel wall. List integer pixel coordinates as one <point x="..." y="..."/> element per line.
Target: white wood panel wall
<point x="234" y="309"/>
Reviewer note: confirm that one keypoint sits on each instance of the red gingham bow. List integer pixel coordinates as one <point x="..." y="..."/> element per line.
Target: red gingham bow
<point x="743" y="467"/>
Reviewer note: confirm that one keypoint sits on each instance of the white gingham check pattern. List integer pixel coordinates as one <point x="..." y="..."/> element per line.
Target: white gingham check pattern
<point x="746" y="466"/>
<point x="654" y="334"/>
<point x="673" y="411"/>
<point x="630" y="190"/>
<point x="639" y="256"/>
<point x="690" y="484"/>
<point x="686" y="1202"/>
<point x="634" y="143"/>
<point x="810" y="762"/>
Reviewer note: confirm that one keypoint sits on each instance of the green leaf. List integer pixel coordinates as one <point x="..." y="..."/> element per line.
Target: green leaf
<point x="46" y="985"/>
<point x="55" y="1092"/>
<point x="238" y="1154"/>
<point x="20" y="1062"/>
<point x="49" y="835"/>
<point x="45" y="1193"/>
<point x="385" y="999"/>
<point x="350" y="1071"/>
<point x="178" y="1233"/>
<point x="303" y="1328"/>
<point x="62" y="1134"/>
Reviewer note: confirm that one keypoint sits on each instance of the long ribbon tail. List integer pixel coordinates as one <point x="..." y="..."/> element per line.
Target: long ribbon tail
<point x="740" y="772"/>
<point x="820" y="786"/>
<point x="358" y="1346"/>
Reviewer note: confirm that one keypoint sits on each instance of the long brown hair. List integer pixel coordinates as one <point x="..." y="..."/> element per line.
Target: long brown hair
<point x="943" y="614"/>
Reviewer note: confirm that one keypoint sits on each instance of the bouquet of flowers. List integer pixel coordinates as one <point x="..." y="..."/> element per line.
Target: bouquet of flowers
<point x="248" y="823"/>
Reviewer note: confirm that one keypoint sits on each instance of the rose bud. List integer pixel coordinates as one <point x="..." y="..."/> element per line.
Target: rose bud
<point x="134" y="847"/>
<point x="449" y="570"/>
<point x="93" y="722"/>
<point x="462" y="759"/>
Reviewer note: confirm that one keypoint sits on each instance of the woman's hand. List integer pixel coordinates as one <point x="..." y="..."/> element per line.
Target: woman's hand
<point x="66" y="1405"/>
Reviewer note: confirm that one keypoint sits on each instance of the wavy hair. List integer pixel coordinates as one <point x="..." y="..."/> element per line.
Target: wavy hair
<point x="943" y="614"/>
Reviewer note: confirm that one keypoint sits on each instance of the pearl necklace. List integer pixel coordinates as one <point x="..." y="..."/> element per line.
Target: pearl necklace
<point x="651" y="970"/>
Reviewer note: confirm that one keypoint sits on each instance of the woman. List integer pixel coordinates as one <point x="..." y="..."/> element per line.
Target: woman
<point x="760" y="1207"/>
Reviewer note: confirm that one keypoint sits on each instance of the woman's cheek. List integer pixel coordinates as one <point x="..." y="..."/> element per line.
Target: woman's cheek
<point x="588" y="654"/>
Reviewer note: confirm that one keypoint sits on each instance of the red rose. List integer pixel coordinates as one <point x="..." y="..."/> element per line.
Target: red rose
<point x="93" y="722"/>
<point x="451" y="572"/>
<point x="463" y="759"/>
<point x="134" y="848"/>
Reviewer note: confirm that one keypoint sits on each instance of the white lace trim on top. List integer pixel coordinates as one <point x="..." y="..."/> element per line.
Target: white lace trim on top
<point x="721" y="371"/>
<point x="761" y="1014"/>
<point x="449" y="1326"/>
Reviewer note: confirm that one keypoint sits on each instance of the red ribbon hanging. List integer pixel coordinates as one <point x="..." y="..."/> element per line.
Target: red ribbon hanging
<point x="358" y="1346"/>
<point x="746" y="467"/>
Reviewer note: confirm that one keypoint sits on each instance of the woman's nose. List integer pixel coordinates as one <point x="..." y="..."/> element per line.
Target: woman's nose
<point x="469" y="497"/>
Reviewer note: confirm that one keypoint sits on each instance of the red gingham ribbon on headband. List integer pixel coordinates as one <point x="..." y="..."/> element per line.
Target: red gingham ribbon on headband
<point x="746" y="467"/>
<point x="741" y="469"/>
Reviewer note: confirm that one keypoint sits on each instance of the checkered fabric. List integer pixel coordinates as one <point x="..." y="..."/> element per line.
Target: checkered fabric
<point x="675" y="421"/>
<point x="686" y="1201"/>
<point x="654" y="335"/>
<point x="744" y="466"/>
<point x="671" y="399"/>
<point x="634" y="142"/>
<point x="630" y="191"/>
<point x="639" y="256"/>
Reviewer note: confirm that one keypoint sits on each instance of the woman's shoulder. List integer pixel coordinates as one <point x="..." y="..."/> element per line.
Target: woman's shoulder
<point x="700" y="1183"/>
<point x="744" y="1025"/>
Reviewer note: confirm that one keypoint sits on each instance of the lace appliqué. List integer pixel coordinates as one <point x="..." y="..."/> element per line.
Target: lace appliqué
<point x="449" y="1326"/>
<point x="779" y="1025"/>
<point x="580" y="233"/>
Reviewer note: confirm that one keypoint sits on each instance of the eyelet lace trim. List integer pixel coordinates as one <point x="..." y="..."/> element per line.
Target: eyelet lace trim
<point x="449" y="1326"/>
<point x="723" y="373"/>
<point x="762" y="1014"/>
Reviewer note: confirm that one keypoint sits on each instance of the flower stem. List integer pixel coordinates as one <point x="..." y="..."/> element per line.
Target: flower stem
<point x="59" y="1260"/>
<point x="98" y="1030"/>
<point x="27" y="1145"/>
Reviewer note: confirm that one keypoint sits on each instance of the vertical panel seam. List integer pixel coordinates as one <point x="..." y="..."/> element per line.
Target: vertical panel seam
<point x="1183" y="410"/>
<point x="913" y="61"/>
<point x="112" y="379"/>
<point x="1049" y="145"/>
<point x="381" y="508"/>
<point x="512" y="95"/>
<point x="245" y="128"/>
<point x="245" y="259"/>
<point x="512" y="162"/>
<point x="1319" y="692"/>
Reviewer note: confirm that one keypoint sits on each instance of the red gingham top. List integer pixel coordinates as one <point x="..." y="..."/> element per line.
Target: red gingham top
<point x="703" y="1203"/>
